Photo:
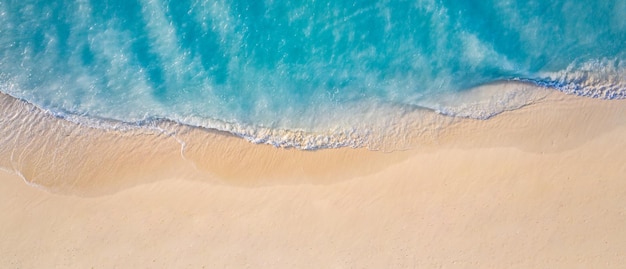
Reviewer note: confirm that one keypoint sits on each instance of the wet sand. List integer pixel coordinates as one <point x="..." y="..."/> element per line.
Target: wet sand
<point x="539" y="187"/>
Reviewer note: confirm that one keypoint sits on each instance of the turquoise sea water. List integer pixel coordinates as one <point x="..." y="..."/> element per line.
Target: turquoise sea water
<point x="267" y="69"/>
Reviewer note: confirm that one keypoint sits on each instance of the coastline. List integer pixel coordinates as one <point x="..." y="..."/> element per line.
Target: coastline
<point x="537" y="187"/>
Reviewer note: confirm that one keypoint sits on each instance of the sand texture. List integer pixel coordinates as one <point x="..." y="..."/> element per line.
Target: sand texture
<point x="543" y="186"/>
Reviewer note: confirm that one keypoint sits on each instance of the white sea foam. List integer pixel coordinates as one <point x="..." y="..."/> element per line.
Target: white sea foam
<point x="604" y="79"/>
<point x="307" y="75"/>
<point x="370" y="122"/>
<point x="486" y="101"/>
<point x="372" y="125"/>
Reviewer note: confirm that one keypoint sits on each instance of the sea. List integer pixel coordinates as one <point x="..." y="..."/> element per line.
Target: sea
<point x="308" y="74"/>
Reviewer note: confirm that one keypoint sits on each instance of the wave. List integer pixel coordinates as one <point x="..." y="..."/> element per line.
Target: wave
<point x="373" y="126"/>
<point x="605" y="79"/>
<point x="307" y="75"/>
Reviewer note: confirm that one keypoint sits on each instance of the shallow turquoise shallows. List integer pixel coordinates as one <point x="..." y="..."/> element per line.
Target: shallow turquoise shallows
<point x="241" y="66"/>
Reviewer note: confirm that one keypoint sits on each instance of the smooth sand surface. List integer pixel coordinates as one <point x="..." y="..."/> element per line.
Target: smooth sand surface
<point x="543" y="186"/>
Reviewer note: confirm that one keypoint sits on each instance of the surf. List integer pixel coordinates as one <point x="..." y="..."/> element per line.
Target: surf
<point x="307" y="75"/>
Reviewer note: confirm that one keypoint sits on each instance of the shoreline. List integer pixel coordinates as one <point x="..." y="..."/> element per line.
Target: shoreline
<point x="537" y="187"/>
<point x="401" y="120"/>
<point x="66" y="157"/>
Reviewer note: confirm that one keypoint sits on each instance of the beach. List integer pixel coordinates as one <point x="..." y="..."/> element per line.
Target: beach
<point x="312" y="134"/>
<point x="537" y="187"/>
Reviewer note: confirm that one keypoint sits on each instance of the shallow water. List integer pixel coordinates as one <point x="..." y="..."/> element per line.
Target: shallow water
<point x="308" y="74"/>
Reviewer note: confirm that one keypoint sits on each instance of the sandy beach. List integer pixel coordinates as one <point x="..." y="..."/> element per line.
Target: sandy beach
<point x="543" y="186"/>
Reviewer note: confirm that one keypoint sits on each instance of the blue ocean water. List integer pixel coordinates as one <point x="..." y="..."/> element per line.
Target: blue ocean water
<point x="267" y="70"/>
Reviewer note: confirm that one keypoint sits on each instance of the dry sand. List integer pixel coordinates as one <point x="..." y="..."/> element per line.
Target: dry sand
<point x="543" y="186"/>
